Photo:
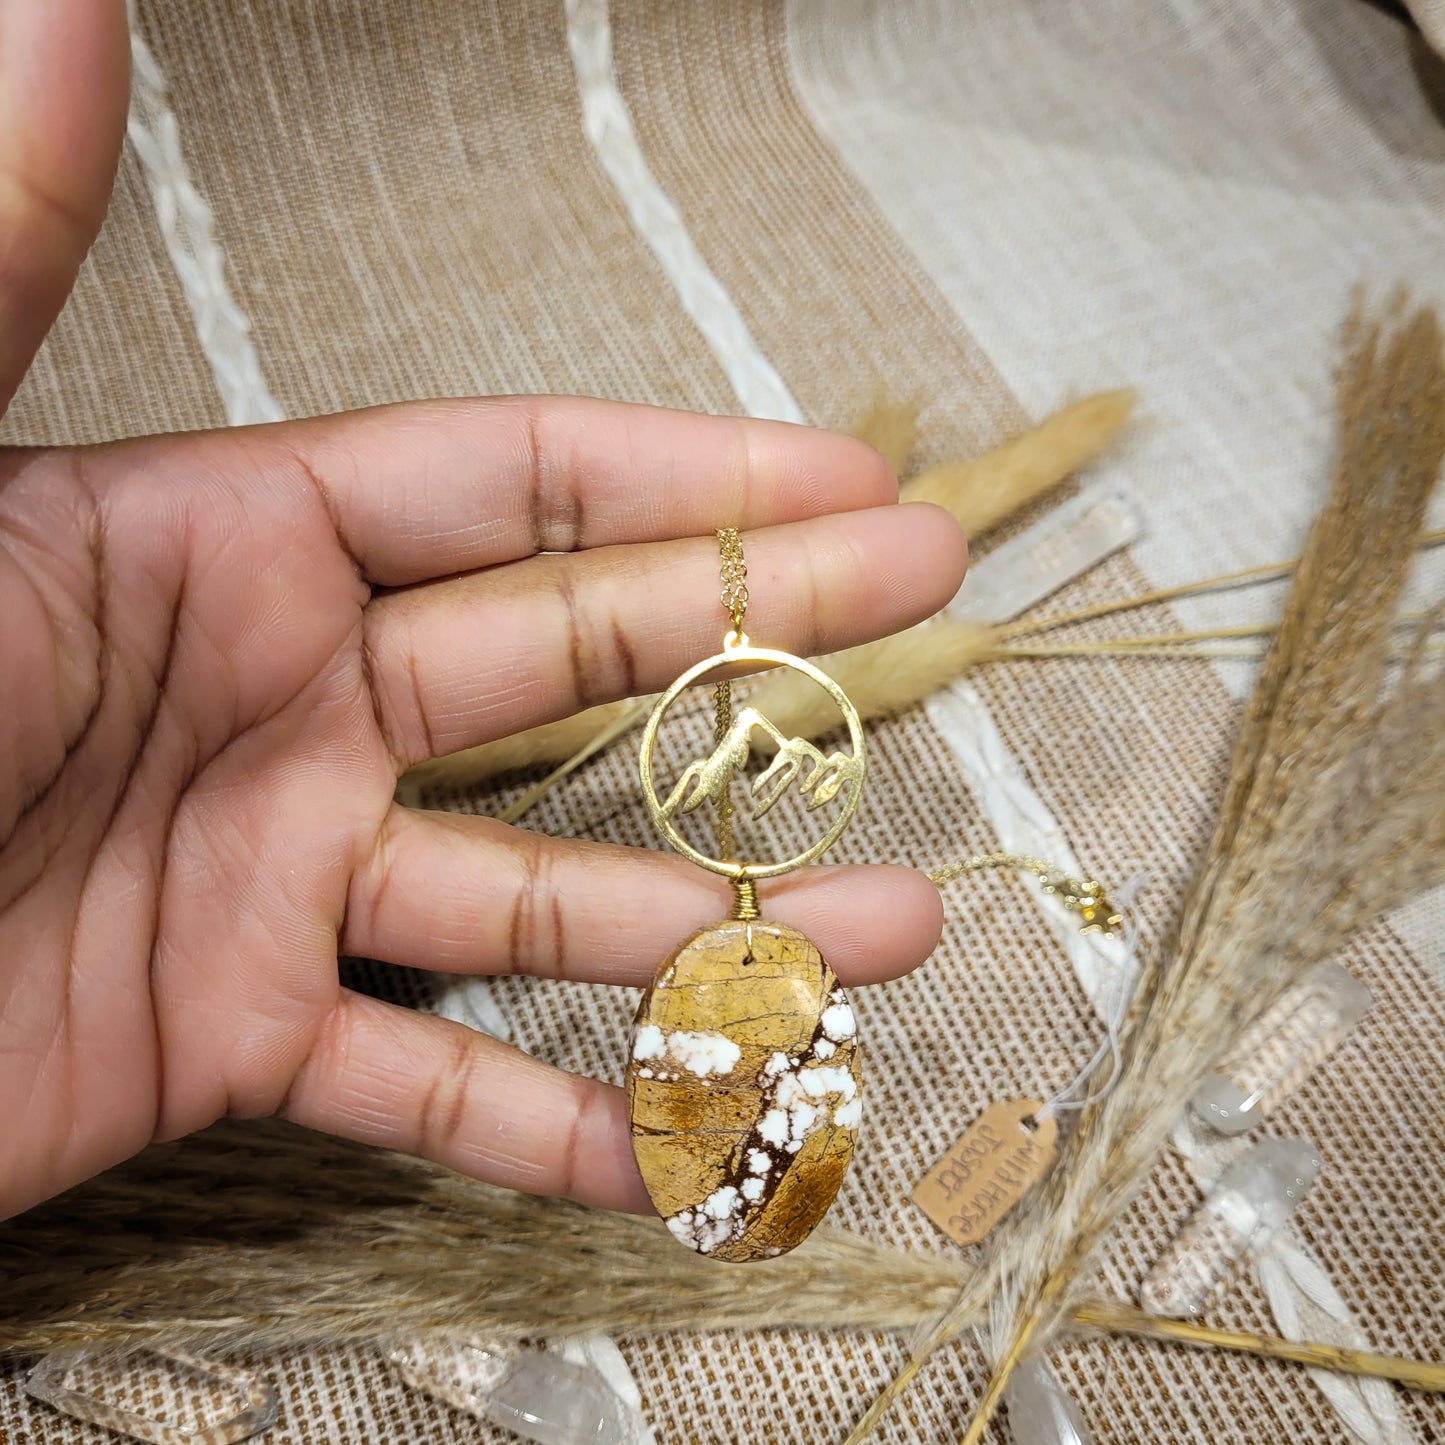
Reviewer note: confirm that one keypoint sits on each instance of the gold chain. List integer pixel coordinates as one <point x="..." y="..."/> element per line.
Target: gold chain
<point x="734" y="574"/>
<point x="1083" y="896"/>
<point x="722" y="701"/>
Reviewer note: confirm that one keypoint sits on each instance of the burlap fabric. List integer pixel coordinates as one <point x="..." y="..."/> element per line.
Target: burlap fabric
<point x="988" y="208"/>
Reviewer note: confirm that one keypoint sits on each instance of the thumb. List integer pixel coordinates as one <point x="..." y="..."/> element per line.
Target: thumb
<point x="64" y="70"/>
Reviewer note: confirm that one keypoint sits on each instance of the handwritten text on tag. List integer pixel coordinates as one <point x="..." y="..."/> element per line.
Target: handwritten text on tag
<point x="986" y="1172"/>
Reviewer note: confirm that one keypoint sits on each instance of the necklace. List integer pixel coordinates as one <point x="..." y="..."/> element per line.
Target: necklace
<point x="745" y="1073"/>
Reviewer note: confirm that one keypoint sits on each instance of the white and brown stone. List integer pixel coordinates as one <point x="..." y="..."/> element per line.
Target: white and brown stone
<point x="744" y="1088"/>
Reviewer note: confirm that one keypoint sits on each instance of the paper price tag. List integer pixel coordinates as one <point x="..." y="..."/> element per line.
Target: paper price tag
<point x="985" y="1172"/>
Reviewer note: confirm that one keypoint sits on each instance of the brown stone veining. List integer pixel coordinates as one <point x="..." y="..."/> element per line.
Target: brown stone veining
<point x="743" y="1087"/>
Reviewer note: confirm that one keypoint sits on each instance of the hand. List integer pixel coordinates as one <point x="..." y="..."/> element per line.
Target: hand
<point x="218" y="652"/>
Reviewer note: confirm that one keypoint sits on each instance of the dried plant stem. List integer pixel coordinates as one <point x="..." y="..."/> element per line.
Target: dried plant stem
<point x="627" y="719"/>
<point x="992" y="1398"/>
<point x="1123" y="1319"/>
<point x="1270" y="572"/>
<point x="1163" y="639"/>
<point x="1130" y="647"/>
<point x="549" y="743"/>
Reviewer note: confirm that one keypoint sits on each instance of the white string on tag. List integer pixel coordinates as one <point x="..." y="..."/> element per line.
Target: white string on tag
<point x="1121" y="993"/>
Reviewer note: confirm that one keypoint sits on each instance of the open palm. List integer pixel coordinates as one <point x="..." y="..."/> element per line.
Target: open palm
<point x="219" y="650"/>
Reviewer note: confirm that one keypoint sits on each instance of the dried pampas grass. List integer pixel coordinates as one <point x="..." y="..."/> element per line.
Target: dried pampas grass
<point x="1332" y="813"/>
<point x="989" y="489"/>
<point x="263" y="1237"/>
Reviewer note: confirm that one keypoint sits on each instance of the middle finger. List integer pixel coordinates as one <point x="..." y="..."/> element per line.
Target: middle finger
<point x="464" y="661"/>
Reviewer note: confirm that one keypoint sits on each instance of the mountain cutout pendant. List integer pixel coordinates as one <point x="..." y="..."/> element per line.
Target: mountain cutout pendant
<point x="744" y="1077"/>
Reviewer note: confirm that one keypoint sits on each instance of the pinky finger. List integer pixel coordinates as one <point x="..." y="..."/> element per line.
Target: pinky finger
<point x="385" y="1075"/>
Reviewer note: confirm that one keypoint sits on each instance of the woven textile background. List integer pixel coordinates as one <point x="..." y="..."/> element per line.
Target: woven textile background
<point x="990" y="208"/>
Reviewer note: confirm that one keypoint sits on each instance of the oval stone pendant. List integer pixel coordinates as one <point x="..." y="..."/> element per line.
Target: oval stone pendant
<point x="743" y="1088"/>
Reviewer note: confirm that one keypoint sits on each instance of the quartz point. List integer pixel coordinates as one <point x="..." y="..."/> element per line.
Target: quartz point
<point x="1040" y="1411"/>
<point x="1252" y="1201"/>
<point x="164" y="1397"/>
<point x="1277" y="1053"/>
<point x="535" y="1393"/>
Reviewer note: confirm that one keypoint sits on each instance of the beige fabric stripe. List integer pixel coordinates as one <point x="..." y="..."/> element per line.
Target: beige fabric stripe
<point x="410" y="207"/>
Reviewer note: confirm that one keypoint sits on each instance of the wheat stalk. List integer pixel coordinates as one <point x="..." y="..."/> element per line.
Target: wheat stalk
<point x="1222" y="582"/>
<point x="261" y="1236"/>
<point x="989" y="489"/>
<point x="1112" y="1317"/>
<point x="1331" y="814"/>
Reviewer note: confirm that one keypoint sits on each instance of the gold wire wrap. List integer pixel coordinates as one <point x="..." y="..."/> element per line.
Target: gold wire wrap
<point x="745" y="897"/>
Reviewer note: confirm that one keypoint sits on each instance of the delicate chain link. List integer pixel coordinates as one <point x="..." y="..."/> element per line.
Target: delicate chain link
<point x="734" y="575"/>
<point x="734" y="597"/>
<point x="722" y="700"/>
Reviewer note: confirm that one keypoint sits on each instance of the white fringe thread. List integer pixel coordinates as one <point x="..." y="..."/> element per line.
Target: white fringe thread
<point x="187" y="230"/>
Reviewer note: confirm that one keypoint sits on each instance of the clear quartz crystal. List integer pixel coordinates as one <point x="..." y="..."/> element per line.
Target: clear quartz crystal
<point x="1040" y="1412"/>
<point x="1281" y="1049"/>
<point x="1065" y="543"/>
<point x="1252" y="1201"/>
<point x="163" y="1397"/>
<point x="533" y="1392"/>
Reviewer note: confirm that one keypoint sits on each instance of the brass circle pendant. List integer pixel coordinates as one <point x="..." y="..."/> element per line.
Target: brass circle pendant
<point x="823" y="778"/>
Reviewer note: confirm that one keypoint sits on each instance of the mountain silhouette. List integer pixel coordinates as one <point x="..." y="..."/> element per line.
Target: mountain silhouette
<point x="823" y="777"/>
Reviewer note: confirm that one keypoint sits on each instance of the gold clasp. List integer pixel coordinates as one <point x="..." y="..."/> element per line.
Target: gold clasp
<point x="1086" y="897"/>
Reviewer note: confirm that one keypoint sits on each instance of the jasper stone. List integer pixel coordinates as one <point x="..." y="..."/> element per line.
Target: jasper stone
<point x="744" y="1089"/>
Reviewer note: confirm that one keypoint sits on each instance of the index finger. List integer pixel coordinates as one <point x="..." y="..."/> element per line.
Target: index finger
<point x="428" y="489"/>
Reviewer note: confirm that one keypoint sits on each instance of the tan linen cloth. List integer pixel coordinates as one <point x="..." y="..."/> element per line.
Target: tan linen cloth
<point x="987" y="208"/>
